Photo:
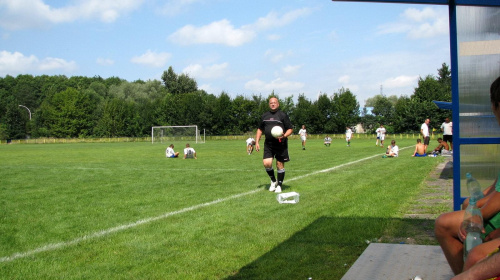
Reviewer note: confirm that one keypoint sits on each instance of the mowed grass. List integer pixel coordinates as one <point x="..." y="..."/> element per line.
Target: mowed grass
<point x="124" y="211"/>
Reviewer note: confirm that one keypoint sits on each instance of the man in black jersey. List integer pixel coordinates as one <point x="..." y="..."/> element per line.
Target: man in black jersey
<point x="274" y="147"/>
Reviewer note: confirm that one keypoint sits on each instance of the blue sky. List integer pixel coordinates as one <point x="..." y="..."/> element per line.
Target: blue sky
<point x="240" y="47"/>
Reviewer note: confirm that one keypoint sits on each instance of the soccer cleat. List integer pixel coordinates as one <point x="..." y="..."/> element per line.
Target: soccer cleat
<point x="278" y="189"/>
<point x="272" y="187"/>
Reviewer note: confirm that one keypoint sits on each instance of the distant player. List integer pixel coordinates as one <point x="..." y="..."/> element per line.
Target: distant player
<point x="303" y="136"/>
<point x="424" y="130"/>
<point x="419" y="149"/>
<point x="381" y="134"/>
<point x="392" y="150"/>
<point x="170" y="153"/>
<point x="189" y="152"/>
<point x="274" y="147"/>
<point x="250" y="144"/>
<point x="348" y="136"/>
<point x="447" y="129"/>
<point x="327" y="141"/>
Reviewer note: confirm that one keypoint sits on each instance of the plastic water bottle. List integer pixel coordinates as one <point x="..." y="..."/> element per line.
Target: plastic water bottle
<point x="473" y="225"/>
<point x="473" y="187"/>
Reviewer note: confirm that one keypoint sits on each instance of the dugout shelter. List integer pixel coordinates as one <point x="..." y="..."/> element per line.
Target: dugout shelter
<point x="474" y="27"/>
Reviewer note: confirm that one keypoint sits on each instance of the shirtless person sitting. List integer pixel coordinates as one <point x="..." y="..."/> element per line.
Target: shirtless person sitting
<point x="442" y="148"/>
<point x="419" y="149"/>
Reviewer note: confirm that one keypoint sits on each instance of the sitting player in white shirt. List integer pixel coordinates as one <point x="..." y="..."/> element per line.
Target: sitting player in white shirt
<point x="170" y="153"/>
<point x="189" y="152"/>
<point x="392" y="150"/>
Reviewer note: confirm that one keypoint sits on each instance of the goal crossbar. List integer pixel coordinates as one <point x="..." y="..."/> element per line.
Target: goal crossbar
<point x="176" y="133"/>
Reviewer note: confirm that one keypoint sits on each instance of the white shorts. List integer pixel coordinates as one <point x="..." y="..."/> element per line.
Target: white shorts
<point x="382" y="137"/>
<point x="303" y="138"/>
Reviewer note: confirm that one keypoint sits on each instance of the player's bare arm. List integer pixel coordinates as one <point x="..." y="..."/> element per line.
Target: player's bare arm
<point x="257" y="139"/>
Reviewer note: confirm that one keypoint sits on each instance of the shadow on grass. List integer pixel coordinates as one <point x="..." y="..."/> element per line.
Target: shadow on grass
<point x="327" y="248"/>
<point x="447" y="172"/>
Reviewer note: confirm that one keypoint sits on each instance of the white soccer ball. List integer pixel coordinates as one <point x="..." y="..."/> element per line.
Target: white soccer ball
<point x="277" y="131"/>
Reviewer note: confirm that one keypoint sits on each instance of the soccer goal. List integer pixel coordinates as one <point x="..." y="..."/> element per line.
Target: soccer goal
<point x="187" y="133"/>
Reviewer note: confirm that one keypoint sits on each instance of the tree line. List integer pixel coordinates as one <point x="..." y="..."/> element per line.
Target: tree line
<point x="80" y="107"/>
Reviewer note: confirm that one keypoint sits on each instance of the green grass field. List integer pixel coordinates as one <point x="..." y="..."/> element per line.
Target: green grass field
<point x="124" y="211"/>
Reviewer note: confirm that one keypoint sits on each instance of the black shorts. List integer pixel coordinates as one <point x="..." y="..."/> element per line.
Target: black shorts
<point x="448" y="138"/>
<point x="276" y="150"/>
<point x="426" y="140"/>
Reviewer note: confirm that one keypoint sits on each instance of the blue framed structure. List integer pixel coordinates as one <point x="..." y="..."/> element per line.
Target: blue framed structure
<point x="477" y="144"/>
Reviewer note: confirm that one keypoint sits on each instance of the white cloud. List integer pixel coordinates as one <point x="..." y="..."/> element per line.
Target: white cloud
<point x="276" y="57"/>
<point x="400" y="81"/>
<point x="175" y="7"/>
<point x="344" y="79"/>
<point x="16" y="14"/>
<point x="273" y="37"/>
<point x="291" y="69"/>
<point x="278" y="85"/>
<point x="207" y="72"/>
<point x="218" y="32"/>
<point x="52" y="63"/>
<point x="17" y="63"/>
<point x="105" y="61"/>
<point x="273" y="20"/>
<point x="224" y="33"/>
<point x="418" y="24"/>
<point x="207" y="87"/>
<point x="152" y="59"/>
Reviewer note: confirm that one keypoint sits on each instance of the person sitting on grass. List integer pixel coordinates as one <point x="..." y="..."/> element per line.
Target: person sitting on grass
<point x="189" y="152"/>
<point x="419" y="149"/>
<point x="327" y="141"/>
<point x="392" y="150"/>
<point x="170" y="153"/>
<point x="442" y="148"/>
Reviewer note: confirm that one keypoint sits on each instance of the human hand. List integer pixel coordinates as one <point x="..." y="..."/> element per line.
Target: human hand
<point x="462" y="233"/>
<point x="493" y="235"/>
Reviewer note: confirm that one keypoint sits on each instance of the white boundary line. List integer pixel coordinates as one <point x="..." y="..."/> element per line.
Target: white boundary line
<point x="55" y="246"/>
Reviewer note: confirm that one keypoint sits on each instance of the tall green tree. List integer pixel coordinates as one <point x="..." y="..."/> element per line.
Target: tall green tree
<point x="68" y="114"/>
<point x="346" y="109"/>
<point x="178" y="84"/>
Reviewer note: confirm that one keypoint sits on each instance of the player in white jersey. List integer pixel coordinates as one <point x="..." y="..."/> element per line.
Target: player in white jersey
<point x="327" y="141"/>
<point x="392" y="150"/>
<point x="250" y="144"/>
<point x="170" y="153"/>
<point x="382" y="132"/>
<point x="348" y="136"/>
<point x="447" y="129"/>
<point x="303" y="136"/>
<point x="189" y="152"/>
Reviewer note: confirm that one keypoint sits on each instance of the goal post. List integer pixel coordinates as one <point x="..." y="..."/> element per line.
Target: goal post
<point x="188" y="133"/>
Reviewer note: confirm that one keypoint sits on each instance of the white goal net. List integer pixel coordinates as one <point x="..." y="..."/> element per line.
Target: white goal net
<point x="185" y="133"/>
